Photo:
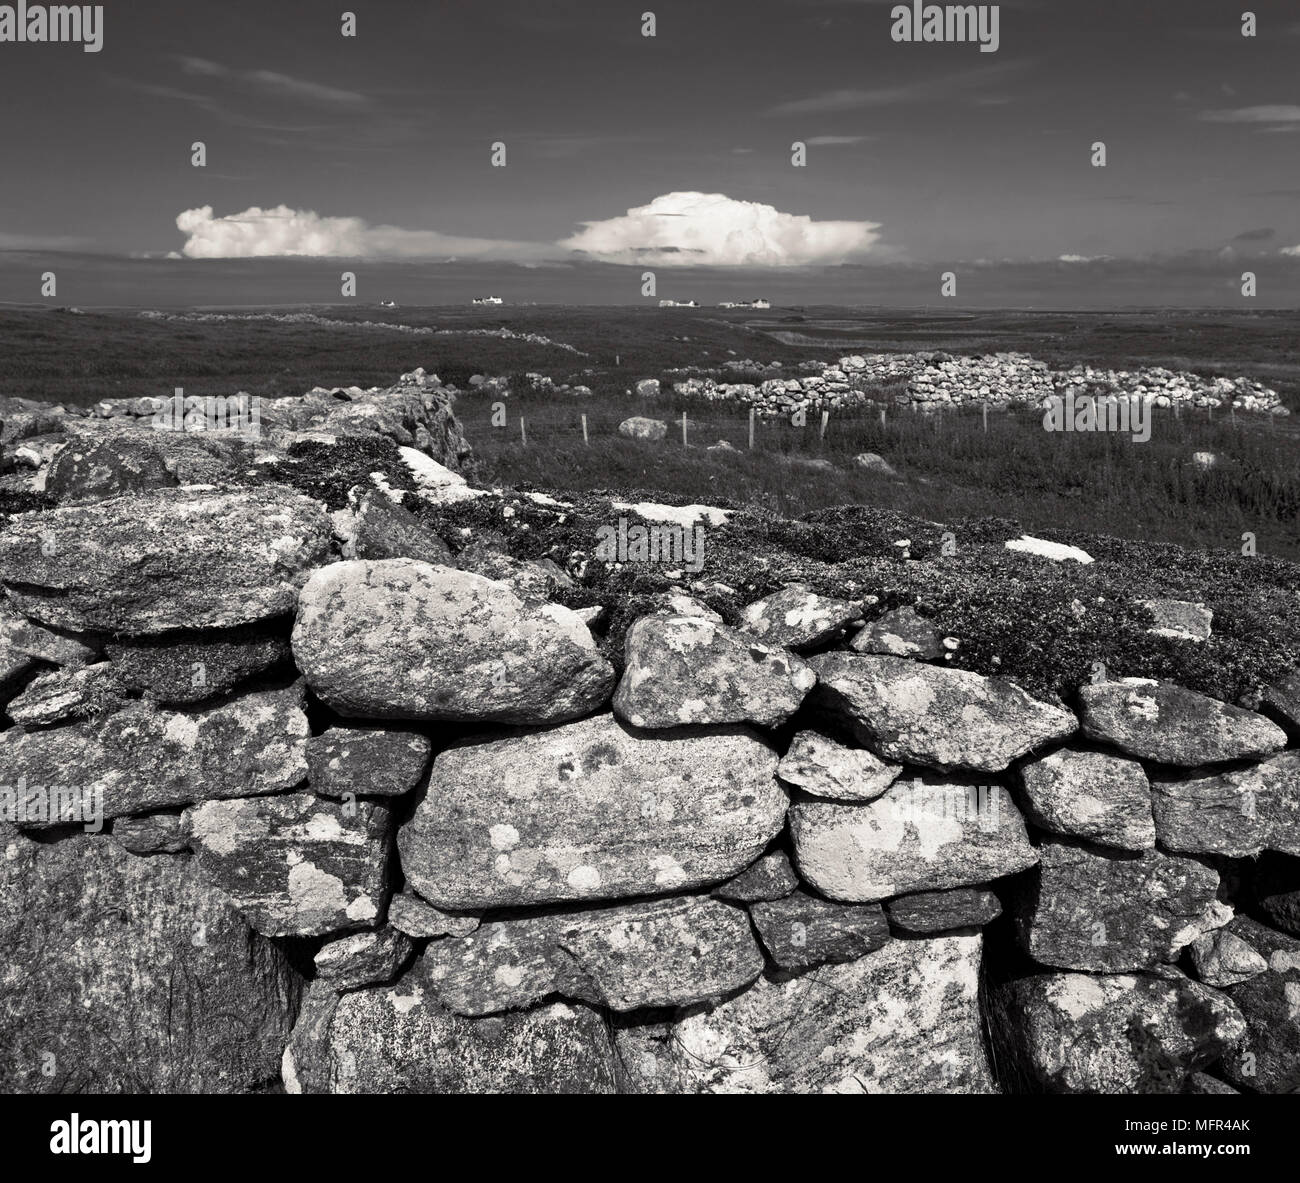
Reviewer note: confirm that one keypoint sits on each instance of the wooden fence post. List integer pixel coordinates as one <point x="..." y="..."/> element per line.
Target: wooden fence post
<point x="523" y="433"/>
<point x="751" y="428"/>
<point x="585" y="440"/>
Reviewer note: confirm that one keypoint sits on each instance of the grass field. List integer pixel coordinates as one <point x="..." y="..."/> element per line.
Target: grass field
<point x="949" y="466"/>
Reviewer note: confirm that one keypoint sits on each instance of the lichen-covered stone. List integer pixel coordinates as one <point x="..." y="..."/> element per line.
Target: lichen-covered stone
<point x="153" y="833"/>
<point x="1094" y="795"/>
<point x="367" y="761"/>
<point x="363" y="958"/>
<point x="1237" y="813"/>
<point x="382" y="529"/>
<point x="937" y="717"/>
<point x="1109" y="913"/>
<point x="770" y="878"/>
<point x="140" y="758"/>
<point x="686" y="669"/>
<point x="24" y="636"/>
<point x="409" y="914"/>
<point x="192" y="666"/>
<point x="399" y="639"/>
<point x="827" y="768"/>
<point x="1221" y="958"/>
<point x="121" y="974"/>
<point x="925" y="834"/>
<point x="164" y="559"/>
<point x="943" y="911"/>
<point x="900" y="633"/>
<point x="801" y="931"/>
<point x="796" y="617"/>
<point x="62" y="694"/>
<point x="1168" y="724"/>
<point x="1079" y="1033"/>
<point x="296" y="865"/>
<point x="904" y="1019"/>
<point x="591" y="810"/>
<point x="1268" y="1059"/>
<point x="397" y="1039"/>
<point x="667" y="952"/>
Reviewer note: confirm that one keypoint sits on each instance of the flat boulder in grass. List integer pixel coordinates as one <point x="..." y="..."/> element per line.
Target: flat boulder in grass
<point x="638" y="427"/>
<point x="397" y="1039"/>
<point x="933" y="716"/>
<point x="367" y="761"/>
<point x="687" y="670"/>
<point x="924" y="834"/>
<point x="825" y="767"/>
<point x="1166" y="724"/>
<point x="801" y="931"/>
<point x="1113" y="1033"/>
<point x="1110" y="913"/>
<point x="131" y="975"/>
<point x="400" y="639"/>
<point x="164" y="559"/>
<point x="796" y="617"/>
<point x="1094" y="795"/>
<point x="139" y="759"/>
<point x="902" y="1019"/>
<point x="942" y="911"/>
<point x="93" y="470"/>
<point x="591" y="810"/>
<point x="675" y="951"/>
<point x="296" y="865"/>
<point x="1268" y="1058"/>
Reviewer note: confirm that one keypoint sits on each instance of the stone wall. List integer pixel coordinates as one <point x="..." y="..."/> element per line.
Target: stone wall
<point x="298" y="799"/>
<point x="932" y="381"/>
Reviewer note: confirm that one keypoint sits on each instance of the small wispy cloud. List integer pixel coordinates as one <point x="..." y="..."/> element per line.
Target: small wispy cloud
<point x="1275" y="113"/>
<point x="853" y="99"/>
<point x="271" y="82"/>
<point x="836" y="141"/>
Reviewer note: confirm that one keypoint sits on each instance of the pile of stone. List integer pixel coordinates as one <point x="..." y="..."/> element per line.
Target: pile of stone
<point x="760" y="860"/>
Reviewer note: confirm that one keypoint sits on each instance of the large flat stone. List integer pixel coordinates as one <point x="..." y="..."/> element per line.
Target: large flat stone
<point x="924" y="834"/>
<point x="164" y="559"/>
<point x="668" y="952"/>
<point x="121" y="974"/>
<point x="1110" y="913"/>
<point x="591" y="810"/>
<point x="296" y="865"/>
<point x="141" y="758"/>
<point x="904" y="1019"/>
<point x="1093" y="795"/>
<point x="936" y="717"/>
<point x="397" y="1039"/>
<point x="1167" y="724"/>
<point x="400" y="639"/>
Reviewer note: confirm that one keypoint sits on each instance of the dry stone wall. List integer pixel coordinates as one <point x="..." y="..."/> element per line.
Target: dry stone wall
<point x="295" y="802"/>
<point x="933" y="381"/>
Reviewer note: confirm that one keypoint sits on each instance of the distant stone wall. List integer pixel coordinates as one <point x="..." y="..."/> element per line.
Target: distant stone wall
<point x="362" y="819"/>
<point x="937" y="380"/>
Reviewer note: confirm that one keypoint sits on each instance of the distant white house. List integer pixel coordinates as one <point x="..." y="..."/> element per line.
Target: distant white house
<point x="488" y="300"/>
<point x="387" y="303"/>
<point x="678" y="304"/>
<point x="744" y="304"/>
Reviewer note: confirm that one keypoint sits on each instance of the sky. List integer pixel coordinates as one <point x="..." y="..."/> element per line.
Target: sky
<point x="672" y="153"/>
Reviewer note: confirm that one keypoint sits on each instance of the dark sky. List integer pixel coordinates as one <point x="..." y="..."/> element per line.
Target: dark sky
<point x="920" y="156"/>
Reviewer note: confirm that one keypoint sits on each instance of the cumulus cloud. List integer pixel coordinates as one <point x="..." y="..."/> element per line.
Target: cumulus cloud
<point x="259" y="233"/>
<point x="711" y="229"/>
<point x="1084" y="258"/>
<point x="1293" y="251"/>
